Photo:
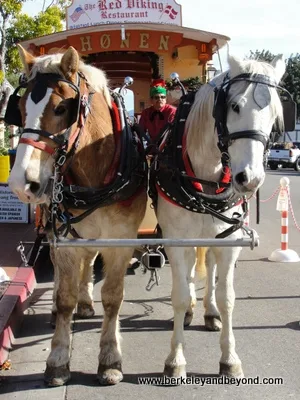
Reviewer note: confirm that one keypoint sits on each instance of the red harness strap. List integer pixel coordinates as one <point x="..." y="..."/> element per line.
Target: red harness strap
<point x="39" y="145"/>
<point x="225" y="177"/>
<point x="117" y="129"/>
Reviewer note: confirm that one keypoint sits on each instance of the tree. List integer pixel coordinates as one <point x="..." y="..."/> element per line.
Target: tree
<point x="24" y="27"/>
<point x="8" y="10"/>
<point x="264" y="55"/>
<point x="291" y="79"/>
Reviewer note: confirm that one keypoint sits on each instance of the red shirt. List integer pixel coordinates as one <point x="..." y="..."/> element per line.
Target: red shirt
<point x="153" y="121"/>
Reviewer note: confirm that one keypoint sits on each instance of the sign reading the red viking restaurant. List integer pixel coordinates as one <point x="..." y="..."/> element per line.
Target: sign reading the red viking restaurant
<point x="84" y="13"/>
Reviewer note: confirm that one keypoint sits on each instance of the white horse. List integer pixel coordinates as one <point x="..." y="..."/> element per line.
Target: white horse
<point x="245" y="108"/>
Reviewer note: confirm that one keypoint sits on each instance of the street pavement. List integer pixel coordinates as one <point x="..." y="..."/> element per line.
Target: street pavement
<point x="266" y="327"/>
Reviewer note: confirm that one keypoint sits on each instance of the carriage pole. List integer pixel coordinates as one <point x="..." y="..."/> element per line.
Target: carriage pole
<point x="252" y="241"/>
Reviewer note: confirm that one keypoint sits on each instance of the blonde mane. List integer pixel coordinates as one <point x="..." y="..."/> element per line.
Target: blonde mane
<point x="96" y="78"/>
<point x="200" y="122"/>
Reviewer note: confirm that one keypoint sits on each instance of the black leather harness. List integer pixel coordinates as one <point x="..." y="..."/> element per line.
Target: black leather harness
<point x="169" y="177"/>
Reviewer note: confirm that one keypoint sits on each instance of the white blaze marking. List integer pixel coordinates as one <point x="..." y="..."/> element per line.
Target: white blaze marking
<point x="34" y="112"/>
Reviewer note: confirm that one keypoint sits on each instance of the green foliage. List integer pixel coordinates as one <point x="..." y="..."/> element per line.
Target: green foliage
<point x="25" y="27"/>
<point x="264" y="55"/>
<point x="10" y="8"/>
<point x="192" y="83"/>
<point x="291" y="79"/>
<point x="13" y="79"/>
<point x="3" y="151"/>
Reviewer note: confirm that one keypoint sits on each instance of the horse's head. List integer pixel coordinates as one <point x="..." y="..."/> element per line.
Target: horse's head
<point x="49" y="112"/>
<point x="246" y="106"/>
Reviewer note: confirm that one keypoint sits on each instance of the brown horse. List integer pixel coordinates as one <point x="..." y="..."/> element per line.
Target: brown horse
<point x="70" y="160"/>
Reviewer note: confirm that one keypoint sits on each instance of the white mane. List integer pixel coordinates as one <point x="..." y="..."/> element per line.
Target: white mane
<point x="200" y="122"/>
<point x="95" y="77"/>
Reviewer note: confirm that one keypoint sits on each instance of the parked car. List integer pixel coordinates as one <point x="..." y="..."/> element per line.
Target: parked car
<point x="285" y="154"/>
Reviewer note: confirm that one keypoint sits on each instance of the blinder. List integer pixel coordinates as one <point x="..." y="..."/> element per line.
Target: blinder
<point x="13" y="114"/>
<point x="40" y="84"/>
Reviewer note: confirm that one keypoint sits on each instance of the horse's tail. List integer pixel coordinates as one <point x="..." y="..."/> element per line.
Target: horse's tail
<point x="200" y="264"/>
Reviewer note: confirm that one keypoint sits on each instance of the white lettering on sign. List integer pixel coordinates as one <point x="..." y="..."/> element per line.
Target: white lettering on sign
<point x="12" y="210"/>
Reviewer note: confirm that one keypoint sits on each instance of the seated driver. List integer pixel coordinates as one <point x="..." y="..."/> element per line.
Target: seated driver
<point x="153" y="119"/>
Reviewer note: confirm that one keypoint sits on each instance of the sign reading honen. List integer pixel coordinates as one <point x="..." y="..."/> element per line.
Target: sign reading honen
<point x="12" y="210"/>
<point x="96" y="12"/>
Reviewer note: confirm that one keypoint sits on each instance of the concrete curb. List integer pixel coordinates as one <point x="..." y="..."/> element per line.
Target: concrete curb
<point x="12" y="305"/>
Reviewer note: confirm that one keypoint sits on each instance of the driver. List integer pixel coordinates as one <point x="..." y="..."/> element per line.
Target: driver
<point x="153" y="119"/>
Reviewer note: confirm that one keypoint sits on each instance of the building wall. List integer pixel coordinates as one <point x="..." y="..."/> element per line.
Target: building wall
<point x="185" y="63"/>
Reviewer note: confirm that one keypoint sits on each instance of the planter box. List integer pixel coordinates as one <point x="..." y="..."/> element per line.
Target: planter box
<point x="4" y="168"/>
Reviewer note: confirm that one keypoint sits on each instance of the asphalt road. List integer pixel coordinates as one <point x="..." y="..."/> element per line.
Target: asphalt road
<point x="266" y="328"/>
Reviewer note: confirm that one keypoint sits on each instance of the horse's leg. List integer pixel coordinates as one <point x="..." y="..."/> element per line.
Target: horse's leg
<point x="212" y="319"/>
<point x="110" y="359"/>
<point x="230" y="364"/>
<point x="182" y="260"/>
<point x="85" y="307"/>
<point x="191" y="282"/>
<point x="55" y="287"/>
<point x="197" y="272"/>
<point x="68" y="264"/>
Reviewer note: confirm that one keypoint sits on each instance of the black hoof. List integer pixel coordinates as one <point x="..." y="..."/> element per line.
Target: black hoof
<point x="57" y="376"/>
<point x="85" y="310"/>
<point x="212" y="323"/>
<point x="234" y="370"/>
<point x="188" y="318"/>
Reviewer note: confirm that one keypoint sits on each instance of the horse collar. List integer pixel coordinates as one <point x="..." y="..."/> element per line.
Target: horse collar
<point x="172" y="177"/>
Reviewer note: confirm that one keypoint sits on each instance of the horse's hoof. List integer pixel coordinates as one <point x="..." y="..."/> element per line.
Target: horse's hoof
<point x="110" y="375"/>
<point x="234" y="370"/>
<point x="212" y="323"/>
<point x="188" y="318"/>
<point x="85" y="310"/>
<point x="175" y="372"/>
<point x="53" y="319"/>
<point x="57" y="376"/>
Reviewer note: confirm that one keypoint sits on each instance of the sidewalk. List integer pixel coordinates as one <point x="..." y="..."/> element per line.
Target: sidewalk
<point x="14" y="293"/>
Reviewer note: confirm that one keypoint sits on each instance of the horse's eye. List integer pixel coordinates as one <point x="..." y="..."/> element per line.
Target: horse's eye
<point x="59" y="110"/>
<point x="235" y="107"/>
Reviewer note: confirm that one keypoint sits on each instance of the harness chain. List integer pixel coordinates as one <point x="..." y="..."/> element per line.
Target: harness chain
<point x="131" y="175"/>
<point x="132" y="170"/>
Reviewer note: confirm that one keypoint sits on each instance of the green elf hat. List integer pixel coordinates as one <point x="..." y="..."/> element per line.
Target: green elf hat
<point x="158" y="86"/>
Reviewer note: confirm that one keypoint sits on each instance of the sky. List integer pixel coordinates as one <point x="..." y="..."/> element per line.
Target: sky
<point x="251" y="24"/>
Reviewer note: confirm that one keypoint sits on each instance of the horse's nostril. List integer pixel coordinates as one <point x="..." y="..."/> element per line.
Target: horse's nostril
<point x="241" y="178"/>
<point x="34" y="187"/>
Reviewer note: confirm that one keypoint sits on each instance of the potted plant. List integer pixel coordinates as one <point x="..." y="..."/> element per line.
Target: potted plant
<point x="174" y="92"/>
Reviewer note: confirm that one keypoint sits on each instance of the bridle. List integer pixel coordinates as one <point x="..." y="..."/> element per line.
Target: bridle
<point x="225" y="139"/>
<point x="68" y="138"/>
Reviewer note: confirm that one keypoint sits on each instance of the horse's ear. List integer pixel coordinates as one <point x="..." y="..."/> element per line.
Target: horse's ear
<point x="279" y="65"/>
<point x="70" y="63"/>
<point x="27" y="59"/>
<point x="235" y="65"/>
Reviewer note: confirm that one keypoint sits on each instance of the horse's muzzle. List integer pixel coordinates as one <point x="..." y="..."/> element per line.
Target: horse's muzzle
<point x="246" y="182"/>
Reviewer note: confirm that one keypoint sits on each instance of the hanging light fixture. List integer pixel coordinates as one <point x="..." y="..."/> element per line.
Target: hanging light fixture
<point x="210" y="71"/>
